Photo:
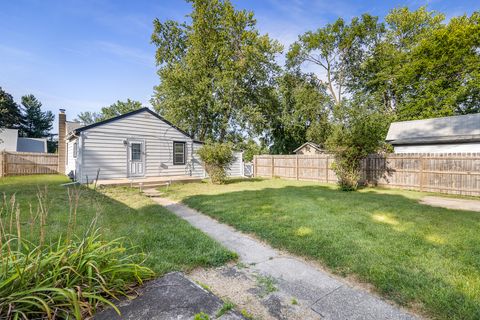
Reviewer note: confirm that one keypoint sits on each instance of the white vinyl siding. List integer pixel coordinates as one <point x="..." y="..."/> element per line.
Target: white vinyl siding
<point x="104" y="147"/>
<point x="71" y="160"/>
<point x="236" y="168"/>
<point x="439" y="148"/>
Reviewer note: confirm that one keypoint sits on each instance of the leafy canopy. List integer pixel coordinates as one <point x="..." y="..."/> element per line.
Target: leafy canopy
<point x="116" y="109"/>
<point x="215" y="72"/>
<point x="10" y="114"/>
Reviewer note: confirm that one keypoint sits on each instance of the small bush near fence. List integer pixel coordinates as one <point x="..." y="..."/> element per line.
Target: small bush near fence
<point x="67" y="279"/>
<point x="217" y="158"/>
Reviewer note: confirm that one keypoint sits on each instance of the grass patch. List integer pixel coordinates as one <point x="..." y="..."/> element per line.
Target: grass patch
<point x="267" y="284"/>
<point x="414" y="254"/>
<point x="169" y="242"/>
<point x="227" y="306"/>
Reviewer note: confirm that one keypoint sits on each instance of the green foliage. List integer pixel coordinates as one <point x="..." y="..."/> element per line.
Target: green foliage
<point x="247" y="315"/>
<point x="114" y="110"/>
<point x="10" y="114"/>
<point x="358" y="131"/>
<point x="442" y="76"/>
<point x="119" y="108"/>
<point x="227" y="306"/>
<point x="122" y="213"/>
<point x="334" y="48"/>
<point x="421" y="67"/>
<point x="217" y="158"/>
<point x="36" y="123"/>
<point x="300" y="114"/>
<point x="87" y="117"/>
<point x="66" y="279"/>
<point x="267" y="284"/>
<point x="201" y="316"/>
<point x="215" y="72"/>
<point x="251" y="148"/>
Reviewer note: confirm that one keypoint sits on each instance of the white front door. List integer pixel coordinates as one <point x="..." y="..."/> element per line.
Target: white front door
<point x="136" y="158"/>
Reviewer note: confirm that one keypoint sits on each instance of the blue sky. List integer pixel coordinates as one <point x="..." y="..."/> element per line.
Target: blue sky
<point x="82" y="55"/>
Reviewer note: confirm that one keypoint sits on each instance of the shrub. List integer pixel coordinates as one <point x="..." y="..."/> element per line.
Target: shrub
<point x="217" y="158"/>
<point x="66" y="279"/>
<point x="357" y="132"/>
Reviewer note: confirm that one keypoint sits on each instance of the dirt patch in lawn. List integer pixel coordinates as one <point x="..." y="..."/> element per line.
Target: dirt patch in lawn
<point x="452" y="203"/>
<point x="254" y="295"/>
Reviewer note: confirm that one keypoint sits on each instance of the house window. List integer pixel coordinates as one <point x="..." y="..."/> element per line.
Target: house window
<point x="136" y="153"/>
<point x="179" y="153"/>
<point x="75" y="150"/>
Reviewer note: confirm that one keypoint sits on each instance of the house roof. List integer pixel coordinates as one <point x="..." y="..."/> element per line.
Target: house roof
<point x="128" y="114"/>
<point x="310" y="144"/>
<point x="465" y="128"/>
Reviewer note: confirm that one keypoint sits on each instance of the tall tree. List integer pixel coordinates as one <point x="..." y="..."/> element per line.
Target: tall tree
<point x="10" y="114"/>
<point x="216" y="72"/>
<point x="36" y="123"/>
<point x="383" y="70"/>
<point x="115" y="109"/>
<point x="300" y="114"/>
<point x="335" y="48"/>
<point x="442" y="76"/>
<point x="119" y="108"/>
<point x="87" y="117"/>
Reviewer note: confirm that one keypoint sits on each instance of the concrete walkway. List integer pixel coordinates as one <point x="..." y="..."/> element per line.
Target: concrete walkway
<point x="452" y="203"/>
<point x="328" y="296"/>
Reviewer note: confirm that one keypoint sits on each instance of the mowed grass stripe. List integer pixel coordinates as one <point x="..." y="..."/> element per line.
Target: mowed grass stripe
<point x="420" y="256"/>
<point x="169" y="242"/>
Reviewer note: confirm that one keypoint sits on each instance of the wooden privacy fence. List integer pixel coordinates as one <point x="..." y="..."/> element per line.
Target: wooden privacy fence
<point x="453" y="173"/>
<point x="25" y="163"/>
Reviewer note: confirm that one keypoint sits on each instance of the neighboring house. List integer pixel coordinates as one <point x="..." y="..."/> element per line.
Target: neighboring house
<point x="137" y="144"/>
<point x="309" y="148"/>
<point x="437" y="135"/>
<point x="9" y="141"/>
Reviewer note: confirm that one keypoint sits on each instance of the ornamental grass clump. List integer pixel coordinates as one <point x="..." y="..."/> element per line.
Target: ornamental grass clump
<point x="69" y="278"/>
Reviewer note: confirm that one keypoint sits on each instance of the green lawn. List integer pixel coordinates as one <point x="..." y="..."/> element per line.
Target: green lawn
<point x="169" y="242"/>
<point x="419" y="256"/>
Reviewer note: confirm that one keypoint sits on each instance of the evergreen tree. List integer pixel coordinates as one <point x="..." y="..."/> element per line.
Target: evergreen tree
<point x="10" y="114"/>
<point x="36" y="123"/>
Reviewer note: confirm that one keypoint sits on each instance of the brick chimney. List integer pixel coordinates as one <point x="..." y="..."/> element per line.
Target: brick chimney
<point x="62" y="143"/>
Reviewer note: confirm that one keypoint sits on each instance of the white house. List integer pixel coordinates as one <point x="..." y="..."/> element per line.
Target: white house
<point x="436" y="135"/>
<point x="10" y="141"/>
<point x="139" y="144"/>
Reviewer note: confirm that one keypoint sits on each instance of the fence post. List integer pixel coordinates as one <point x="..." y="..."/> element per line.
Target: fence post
<point x="272" y="168"/>
<point x="255" y="166"/>
<point x="296" y="166"/>
<point x="4" y="164"/>
<point x="1" y="164"/>
<point x="422" y="167"/>
<point x="326" y="170"/>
